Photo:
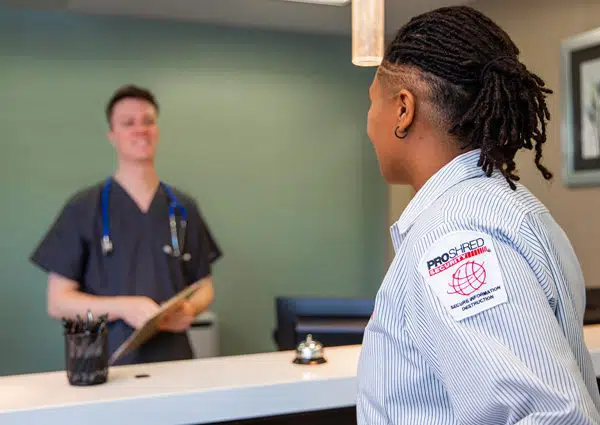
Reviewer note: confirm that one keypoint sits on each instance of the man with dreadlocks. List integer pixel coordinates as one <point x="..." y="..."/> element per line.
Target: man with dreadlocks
<point x="479" y="318"/>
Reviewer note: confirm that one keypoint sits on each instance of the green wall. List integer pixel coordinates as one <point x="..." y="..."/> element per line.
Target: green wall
<point x="265" y="129"/>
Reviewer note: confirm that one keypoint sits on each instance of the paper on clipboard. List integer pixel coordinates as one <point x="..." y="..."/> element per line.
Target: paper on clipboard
<point x="150" y="328"/>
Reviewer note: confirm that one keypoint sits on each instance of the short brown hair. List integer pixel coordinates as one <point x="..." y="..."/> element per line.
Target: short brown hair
<point x="129" y="91"/>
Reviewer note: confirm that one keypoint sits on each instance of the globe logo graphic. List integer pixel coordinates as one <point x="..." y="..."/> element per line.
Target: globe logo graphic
<point x="467" y="279"/>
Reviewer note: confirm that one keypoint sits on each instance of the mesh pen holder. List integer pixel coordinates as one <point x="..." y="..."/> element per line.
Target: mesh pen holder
<point x="87" y="357"/>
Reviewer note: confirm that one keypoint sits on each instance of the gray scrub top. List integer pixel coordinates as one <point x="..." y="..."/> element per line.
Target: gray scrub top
<point x="136" y="266"/>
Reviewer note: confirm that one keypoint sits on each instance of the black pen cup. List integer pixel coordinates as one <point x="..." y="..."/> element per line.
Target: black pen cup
<point x="87" y="357"/>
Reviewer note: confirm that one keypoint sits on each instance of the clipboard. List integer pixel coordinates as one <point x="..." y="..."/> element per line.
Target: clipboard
<point x="150" y="328"/>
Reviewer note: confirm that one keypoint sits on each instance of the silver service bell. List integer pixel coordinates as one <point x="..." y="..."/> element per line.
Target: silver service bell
<point x="309" y="352"/>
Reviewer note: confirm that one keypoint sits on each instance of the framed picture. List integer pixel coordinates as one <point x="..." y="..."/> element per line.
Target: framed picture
<point x="581" y="109"/>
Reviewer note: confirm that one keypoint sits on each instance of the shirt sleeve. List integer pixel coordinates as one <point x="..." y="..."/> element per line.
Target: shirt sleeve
<point x="483" y="322"/>
<point x="63" y="249"/>
<point x="206" y="250"/>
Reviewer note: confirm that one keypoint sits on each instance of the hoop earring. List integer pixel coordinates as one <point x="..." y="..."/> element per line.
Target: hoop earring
<point x="400" y="134"/>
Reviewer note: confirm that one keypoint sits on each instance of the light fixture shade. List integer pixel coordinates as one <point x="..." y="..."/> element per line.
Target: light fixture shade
<point x="368" y="19"/>
<point x="324" y="2"/>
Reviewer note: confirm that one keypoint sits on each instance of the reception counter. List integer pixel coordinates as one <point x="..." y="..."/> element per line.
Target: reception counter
<point x="251" y="389"/>
<point x="591" y="334"/>
<point x="202" y="391"/>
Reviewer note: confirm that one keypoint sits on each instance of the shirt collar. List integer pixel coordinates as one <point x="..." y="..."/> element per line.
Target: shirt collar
<point x="461" y="168"/>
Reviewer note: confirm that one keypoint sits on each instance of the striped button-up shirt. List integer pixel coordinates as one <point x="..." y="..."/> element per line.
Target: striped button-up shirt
<point x="479" y="318"/>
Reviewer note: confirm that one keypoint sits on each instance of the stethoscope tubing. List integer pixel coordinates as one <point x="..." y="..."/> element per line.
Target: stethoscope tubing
<point x="177" y="237"/>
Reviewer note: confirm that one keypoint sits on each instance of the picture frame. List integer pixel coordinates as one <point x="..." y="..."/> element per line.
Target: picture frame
<point x="580" y="98"/>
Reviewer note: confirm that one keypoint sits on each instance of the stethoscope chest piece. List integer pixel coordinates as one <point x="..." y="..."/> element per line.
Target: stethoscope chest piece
<point x="107" y="245"/>
<point x="168" y="249"/>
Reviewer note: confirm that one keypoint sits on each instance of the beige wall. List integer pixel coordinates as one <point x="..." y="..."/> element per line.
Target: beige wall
<point x="538" y="27"/>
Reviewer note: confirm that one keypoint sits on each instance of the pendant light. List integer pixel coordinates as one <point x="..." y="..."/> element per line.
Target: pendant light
<point x="368" y="18"/>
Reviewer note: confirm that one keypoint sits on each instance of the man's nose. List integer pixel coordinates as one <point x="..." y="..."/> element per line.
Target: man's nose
<point x="141" y="129"/>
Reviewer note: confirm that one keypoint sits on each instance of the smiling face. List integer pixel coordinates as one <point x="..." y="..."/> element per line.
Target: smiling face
<point x="134" y="130"/>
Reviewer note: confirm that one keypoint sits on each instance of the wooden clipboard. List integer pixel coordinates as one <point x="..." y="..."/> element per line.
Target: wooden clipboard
<point x="150" y="328"/>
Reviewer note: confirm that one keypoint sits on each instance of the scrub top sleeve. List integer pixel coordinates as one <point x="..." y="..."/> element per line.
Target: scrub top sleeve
<point x="207" y="248"/>
<point x="63" y="249"/>
<point x="484" y="323"/>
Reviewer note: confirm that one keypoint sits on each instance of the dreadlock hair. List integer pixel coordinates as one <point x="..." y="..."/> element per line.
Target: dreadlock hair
<point x="485" y="95"/>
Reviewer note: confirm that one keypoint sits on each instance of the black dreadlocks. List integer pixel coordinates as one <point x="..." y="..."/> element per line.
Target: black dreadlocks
<point x="476" y="80"/>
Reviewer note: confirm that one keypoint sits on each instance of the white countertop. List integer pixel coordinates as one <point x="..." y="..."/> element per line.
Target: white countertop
<point x="185" y="392"/>
<point x="591" y="334"/>
<point x="195" y="391"/>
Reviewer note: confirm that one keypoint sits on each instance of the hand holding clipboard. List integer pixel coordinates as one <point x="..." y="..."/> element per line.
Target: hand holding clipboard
<point x="152" y="326"/>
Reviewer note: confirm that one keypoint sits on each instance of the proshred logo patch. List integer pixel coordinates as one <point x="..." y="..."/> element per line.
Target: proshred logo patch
<point x="463" y="270"/>
<point x="455" y="255"/>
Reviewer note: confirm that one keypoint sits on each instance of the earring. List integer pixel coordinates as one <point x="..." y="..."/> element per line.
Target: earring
<point x="400" y="134"/>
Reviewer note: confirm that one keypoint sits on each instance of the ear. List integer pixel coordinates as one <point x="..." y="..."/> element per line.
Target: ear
<point x="110" y="135"/>
<point x="405" y="109"/>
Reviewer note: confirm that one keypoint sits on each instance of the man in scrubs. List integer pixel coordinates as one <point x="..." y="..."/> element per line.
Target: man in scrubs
<point x="111" y="251"/>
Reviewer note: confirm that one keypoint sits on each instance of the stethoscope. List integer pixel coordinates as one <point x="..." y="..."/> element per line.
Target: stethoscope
<point x="175" y="249"/>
